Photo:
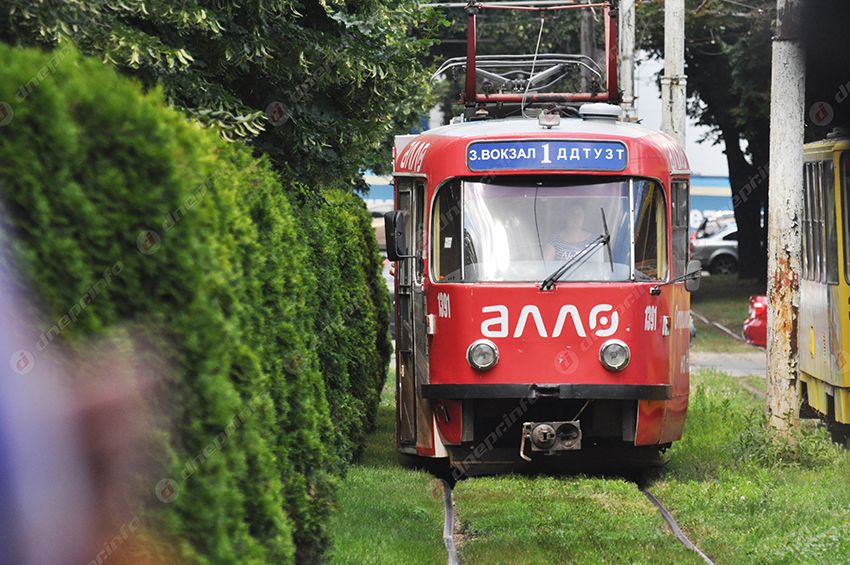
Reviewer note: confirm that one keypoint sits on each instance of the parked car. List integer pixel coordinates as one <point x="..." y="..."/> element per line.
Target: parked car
<point x="713" y="224"/>
<point x="717" y="252"/>
<point x="755" y="326"/>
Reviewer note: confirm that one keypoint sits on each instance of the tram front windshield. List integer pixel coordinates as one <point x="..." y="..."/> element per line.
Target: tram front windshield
<point x="523" y="229"/>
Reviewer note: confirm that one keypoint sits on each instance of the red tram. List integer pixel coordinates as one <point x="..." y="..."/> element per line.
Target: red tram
<point x="542" y="285"/>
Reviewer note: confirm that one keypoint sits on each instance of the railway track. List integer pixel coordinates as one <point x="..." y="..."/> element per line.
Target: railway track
<point x="674" y="526"/>
<point x="451" y="549"/>
<point x="719" y="326"/>
<point x="449" y="524"/>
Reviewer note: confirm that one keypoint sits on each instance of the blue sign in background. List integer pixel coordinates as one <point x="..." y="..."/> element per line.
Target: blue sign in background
<point x="547" y="155"/>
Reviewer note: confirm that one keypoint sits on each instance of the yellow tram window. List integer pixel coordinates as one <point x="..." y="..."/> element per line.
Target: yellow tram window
<point x="831" y="232"/>
<point x="815" y="203"/>
<point x="845" y="212"/>
<point x="807" y="226"/>
<point x="818" y="252"/>
<point x="810" y="224"/>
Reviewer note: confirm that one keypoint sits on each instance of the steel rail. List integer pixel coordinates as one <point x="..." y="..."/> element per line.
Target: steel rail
<point x="449" y="524"/>
<point x="674" y="526"/>
<point x="719" y="326"/>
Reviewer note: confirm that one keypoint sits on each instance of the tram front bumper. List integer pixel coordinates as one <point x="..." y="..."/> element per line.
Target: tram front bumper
<point x="558" y="391"/>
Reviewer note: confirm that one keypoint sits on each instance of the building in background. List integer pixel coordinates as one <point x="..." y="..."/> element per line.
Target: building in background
<point x="379" y="200"/>
<point x="711" y="196"/>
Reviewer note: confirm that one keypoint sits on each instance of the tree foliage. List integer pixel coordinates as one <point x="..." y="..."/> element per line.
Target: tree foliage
<point x="728" y="63"/>
<point x="728" y="53"/>
<point x="319" y="86"/>
<point x="211" y="268"/>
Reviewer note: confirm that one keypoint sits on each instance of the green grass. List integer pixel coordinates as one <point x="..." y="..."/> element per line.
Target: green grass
<point x="746" y="497"/>
<point x="709" y="338"/>
<point x="742" y="496"/>
<point x="723" y="299"/>
<point x="526" y="520"/>
<point x="386" y="514"/>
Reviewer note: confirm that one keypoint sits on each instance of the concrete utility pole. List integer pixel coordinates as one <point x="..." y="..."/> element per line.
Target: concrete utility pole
<point x="674" y="82"/>
<point x="588" y="42"/>
<point x="627" y="57"/>
<point x="787" y="115"/>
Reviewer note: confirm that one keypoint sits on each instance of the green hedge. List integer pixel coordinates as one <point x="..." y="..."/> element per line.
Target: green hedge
<point x="268" y="310"/>
<point x="353" y="314"/>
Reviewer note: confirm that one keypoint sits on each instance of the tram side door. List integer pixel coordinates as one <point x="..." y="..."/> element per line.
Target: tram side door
<point x="410" y="304"/>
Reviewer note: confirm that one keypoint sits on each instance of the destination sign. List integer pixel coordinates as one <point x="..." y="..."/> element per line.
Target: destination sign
<point x="547" y="155"/>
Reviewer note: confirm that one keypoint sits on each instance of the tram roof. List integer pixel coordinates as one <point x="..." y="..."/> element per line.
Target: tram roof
<point x="519" y="126"/>
<point x="823" y="148"/>
<point x="441" y="152"/>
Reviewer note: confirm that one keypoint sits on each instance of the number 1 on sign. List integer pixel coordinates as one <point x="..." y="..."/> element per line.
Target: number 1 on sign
<point x="546" y="154"/>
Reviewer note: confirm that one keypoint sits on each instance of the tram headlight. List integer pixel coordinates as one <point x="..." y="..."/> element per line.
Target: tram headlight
<point x="614" y="355"/>
<point x="482" y="355"/>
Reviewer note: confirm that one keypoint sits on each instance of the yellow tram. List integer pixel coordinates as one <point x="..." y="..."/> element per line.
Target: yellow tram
<point x="824" y="320"/>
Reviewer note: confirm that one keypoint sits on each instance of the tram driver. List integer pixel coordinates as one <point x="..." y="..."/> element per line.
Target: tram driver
<point x="569" y="237"/>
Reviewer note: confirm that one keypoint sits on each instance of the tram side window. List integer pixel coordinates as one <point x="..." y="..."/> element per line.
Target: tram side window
<point x="817" y="223"/>
<point x="820" y="236"/>
<point x="405" y="204"/>
<point x="419" y="230"/>
<point x="810" y="225"/>
<point x="831" y="241"/>
<point x="446" y="236"/>
<point x="845" y="212"/>
<point x="820" y="228"/>
<point x="650" y="232"/>
<point x="807" y="228"/>
<point x="813" y="242"/>
<point x="681" y="225"/>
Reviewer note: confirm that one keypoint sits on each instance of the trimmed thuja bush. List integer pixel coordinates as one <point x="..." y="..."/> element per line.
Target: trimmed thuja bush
<point x="352" y="313"/>
<point x="270" y="315"/>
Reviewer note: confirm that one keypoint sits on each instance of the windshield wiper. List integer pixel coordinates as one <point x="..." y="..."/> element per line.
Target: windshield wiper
<point x="607" y="239"/>
<point x="549" y="282"/>
<point x="604" y="239"/>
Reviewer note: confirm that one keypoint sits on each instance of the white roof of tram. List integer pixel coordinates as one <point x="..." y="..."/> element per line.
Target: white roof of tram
<point x="519" y="126"/>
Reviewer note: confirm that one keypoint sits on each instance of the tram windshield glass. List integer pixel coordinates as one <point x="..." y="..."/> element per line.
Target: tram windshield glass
<point x="522" y="230"/>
